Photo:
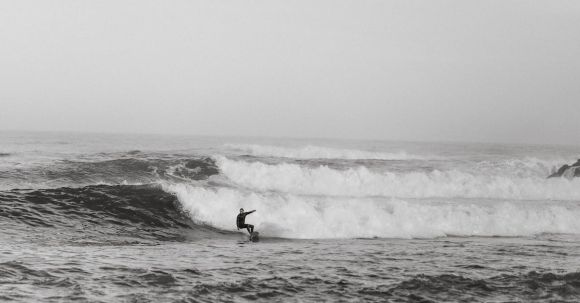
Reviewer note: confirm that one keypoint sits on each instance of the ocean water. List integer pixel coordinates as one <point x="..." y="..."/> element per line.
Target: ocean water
<point x="144" y="218"/>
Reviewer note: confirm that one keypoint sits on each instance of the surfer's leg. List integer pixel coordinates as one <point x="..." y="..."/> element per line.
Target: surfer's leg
<point x="250" y="226"/>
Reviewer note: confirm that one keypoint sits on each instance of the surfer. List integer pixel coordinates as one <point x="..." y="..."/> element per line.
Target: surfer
<point x="241" y="221"/>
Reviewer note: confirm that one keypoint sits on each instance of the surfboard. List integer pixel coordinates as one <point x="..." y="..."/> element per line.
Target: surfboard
<point x="255" y="236"/>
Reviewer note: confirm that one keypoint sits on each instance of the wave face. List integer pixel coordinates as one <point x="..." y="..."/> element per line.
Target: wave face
<point x="143" y="212"/>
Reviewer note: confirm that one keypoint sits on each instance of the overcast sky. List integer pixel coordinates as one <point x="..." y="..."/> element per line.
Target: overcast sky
<point x="491" y="71"/>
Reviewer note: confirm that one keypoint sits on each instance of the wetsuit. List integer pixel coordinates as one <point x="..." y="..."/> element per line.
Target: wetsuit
<point x="241" y="221"/>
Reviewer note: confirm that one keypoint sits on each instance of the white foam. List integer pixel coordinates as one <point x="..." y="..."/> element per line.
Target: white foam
<point x="317" y="152"/>
<point x="293" y="216"/>
<point x="360" y="181"/>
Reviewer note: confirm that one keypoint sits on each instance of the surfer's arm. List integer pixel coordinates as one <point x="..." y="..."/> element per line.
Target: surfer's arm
<point x="251" y="211"/>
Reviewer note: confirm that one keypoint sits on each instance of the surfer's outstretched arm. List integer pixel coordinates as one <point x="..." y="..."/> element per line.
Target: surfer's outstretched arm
<point x="251" y="211"/>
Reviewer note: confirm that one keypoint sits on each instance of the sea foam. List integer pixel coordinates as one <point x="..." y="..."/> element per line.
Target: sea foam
<point x="362" y="182"/>
<point x="296" y="216"/>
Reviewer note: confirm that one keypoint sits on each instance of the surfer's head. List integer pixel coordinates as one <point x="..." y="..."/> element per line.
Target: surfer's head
<point x="241" y="210"/>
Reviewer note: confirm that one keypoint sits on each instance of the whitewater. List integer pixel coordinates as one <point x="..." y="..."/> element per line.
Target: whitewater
<point x="100" y="217"/>
<point x="356" y="196"/>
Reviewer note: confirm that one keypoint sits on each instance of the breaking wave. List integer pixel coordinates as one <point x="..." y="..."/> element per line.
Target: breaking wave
<point x="294" y="198"/>
<point x="178" y="210"/>
<point x="361" y="182"/>
<point x="295" y="216"/>
<point x="317" y="152"/>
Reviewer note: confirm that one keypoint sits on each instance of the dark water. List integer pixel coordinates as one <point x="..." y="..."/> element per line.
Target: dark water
<point x="230" y="269"/>
<point x="125" y="221"/>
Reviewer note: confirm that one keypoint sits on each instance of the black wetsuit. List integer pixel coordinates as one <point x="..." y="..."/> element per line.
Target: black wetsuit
<point x="241" y="221"/>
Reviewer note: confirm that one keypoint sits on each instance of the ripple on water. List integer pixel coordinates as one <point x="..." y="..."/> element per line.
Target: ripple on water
<point x="531" y="286"/>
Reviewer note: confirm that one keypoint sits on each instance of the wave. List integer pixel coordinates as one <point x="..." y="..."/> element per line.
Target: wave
<point x="127" y="170"/>
<point x="362" y="182"/>
<point x="181" y="211"/>
<point x="142" y="211"/>
<point x="294" y="216"/>
<point x="317" y="152"/>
